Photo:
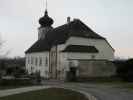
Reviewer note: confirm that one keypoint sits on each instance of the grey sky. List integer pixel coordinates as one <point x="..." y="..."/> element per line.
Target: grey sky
<point x="112" y="19"/>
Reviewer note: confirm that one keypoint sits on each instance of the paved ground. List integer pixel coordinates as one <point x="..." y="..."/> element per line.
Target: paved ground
<point x="106" y="92"/>
<point x="102" y="92"/>
<point x="20" y="90"/>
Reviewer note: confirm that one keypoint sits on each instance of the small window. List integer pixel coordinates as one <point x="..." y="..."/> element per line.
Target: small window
<point x="36" y="61"/>
<point x="93" y="56"/>
<point x="46" y="61"/>
<point x="40" y="61"/>
<point x="31" y="60"/>
<point x="28" y="60"/>
<point x="32" y="68"/>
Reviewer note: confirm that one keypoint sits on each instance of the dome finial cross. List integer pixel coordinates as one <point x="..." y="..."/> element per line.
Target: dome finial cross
<point x="46" y="5"/>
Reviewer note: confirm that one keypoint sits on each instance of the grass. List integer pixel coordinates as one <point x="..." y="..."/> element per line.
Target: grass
<point x="14" y="83"/>
<point x="124" y="85"/>
<point x="13" y="86"/>
<point x="47" y="94"/>
<point x="8" y="87"/>
<point x="116" y="84"/>
<point x="112" y="81"/>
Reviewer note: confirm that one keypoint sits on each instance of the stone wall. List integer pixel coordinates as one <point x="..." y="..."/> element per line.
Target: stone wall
<point x="96" y="68"/>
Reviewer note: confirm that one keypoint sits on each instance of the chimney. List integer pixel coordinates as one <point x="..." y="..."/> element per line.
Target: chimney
<point x="68" y="19"/>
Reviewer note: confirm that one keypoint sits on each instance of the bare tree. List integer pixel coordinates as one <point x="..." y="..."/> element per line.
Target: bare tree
<point x="3" y="53"/>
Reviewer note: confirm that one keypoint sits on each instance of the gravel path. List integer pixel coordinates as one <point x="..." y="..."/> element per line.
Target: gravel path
<point x="101" y="92"/>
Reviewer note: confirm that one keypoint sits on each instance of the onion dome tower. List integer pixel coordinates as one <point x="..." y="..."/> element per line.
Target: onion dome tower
<point x="45" y="25"/>
<point x="46" y="21"/>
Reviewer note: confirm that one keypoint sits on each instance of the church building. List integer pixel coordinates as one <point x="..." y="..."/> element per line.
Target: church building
<point x="72" y="48"/>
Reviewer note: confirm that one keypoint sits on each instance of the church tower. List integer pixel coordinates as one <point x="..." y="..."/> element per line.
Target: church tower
<point x="45" y="25"/>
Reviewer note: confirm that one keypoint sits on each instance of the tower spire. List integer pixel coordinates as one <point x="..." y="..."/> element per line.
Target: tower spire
<point x="45" y="23"/>
<point x="46" y="20"/>
<point x="46" y="5"/>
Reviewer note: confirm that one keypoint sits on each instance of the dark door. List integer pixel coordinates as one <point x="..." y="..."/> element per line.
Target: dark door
<point x="71" y="75"/>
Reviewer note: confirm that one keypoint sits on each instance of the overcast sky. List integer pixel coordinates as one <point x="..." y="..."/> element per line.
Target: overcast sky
<point x="112" y="19"/>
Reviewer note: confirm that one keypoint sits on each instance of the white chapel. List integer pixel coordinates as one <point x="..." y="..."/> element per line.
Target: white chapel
<point x="72" y="48"/>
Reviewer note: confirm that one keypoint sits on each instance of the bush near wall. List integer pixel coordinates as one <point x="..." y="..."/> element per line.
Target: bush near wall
<point x="125" y="69"/>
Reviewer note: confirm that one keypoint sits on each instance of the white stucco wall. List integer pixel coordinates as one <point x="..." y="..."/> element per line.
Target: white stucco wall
<point x="43" y="68"/>
<point x="106" y="52"/>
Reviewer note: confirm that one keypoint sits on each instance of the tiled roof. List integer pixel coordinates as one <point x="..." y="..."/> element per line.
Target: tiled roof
<point x="39" y="46"/>
<point x="60" y="34"/>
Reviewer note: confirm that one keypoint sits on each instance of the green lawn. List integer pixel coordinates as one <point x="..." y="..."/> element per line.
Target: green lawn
<point x="8" y="87"/>
<point x="12" y="87"/>
<point x="125" y="85"/>
<point x="117" y="84"/>
<point x="47" y="94"/>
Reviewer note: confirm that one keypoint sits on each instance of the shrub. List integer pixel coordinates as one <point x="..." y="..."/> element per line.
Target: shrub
<point x="125" y="69"/>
